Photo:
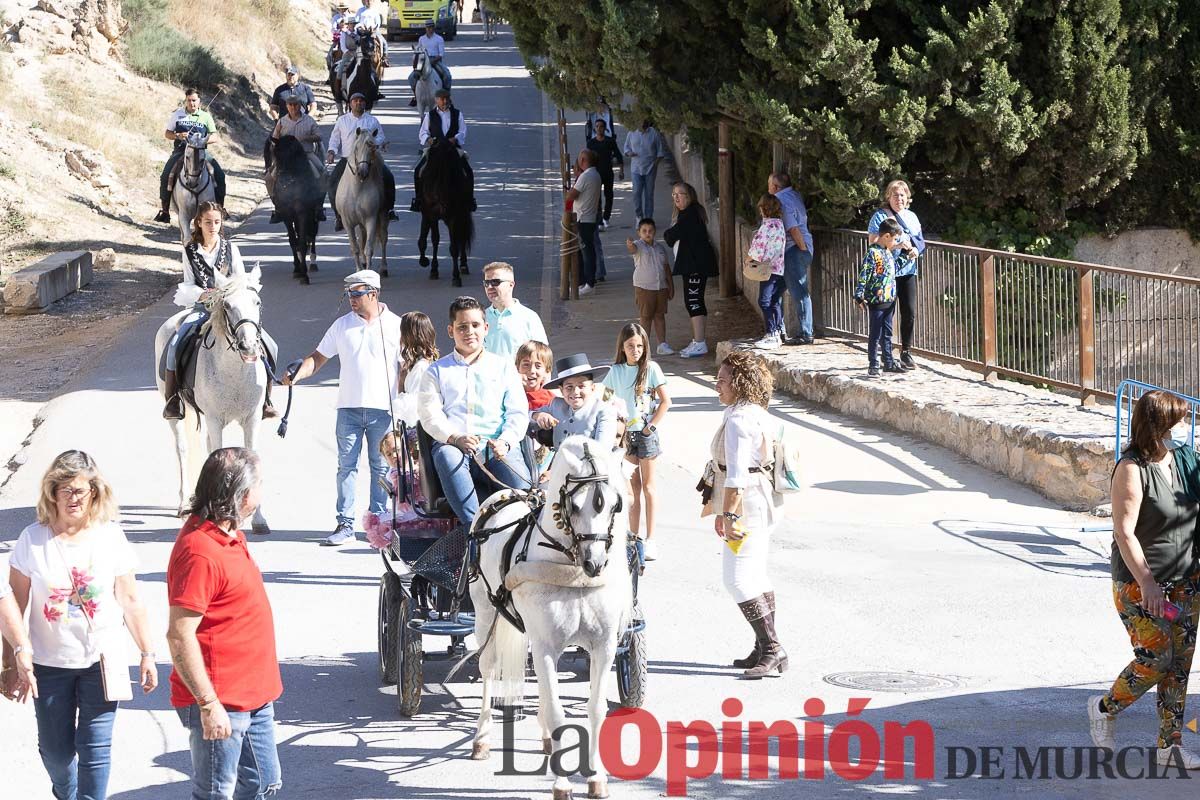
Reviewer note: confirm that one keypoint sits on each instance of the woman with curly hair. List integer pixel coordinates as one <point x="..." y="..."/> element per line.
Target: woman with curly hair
<point x="746" y="504"/>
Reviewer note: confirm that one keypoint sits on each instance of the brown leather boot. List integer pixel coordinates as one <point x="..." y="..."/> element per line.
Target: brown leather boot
<point x="269" y="411"/>
<point x="752" y="659"/>
<point x="773" y="655"/>
<point x="174" y="407"/>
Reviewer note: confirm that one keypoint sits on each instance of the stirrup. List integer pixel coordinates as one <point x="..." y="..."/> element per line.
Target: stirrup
<point x="174" y="408"/>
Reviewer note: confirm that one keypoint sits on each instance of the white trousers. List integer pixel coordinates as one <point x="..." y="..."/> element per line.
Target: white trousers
<point x="745" y="572"/>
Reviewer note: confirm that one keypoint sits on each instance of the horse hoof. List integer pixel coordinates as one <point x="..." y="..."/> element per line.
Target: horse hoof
<point x="597" y="789"/>
<point x="312" y="267"/>
<point x="433" y="275"/>
<point x="547" y="747"/>
<point x="457" y="281"/>
<point x="463" y="269"/>
<point x="260" y="529"/>
<point x="481" y="751"/>
<point x="424" y="261"/>
<point x="383" y="273"/>
<point x="563" y="794"/>
<point x="298" y="275"/>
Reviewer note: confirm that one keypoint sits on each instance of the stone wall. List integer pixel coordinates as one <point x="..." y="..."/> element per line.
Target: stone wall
<point x="1167" y="250"/>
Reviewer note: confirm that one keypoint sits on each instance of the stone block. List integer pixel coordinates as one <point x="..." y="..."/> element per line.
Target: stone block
<point x="33" y="289"/>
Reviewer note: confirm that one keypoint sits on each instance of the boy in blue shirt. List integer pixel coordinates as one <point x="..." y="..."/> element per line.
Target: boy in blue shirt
<point x="876" y="291"/>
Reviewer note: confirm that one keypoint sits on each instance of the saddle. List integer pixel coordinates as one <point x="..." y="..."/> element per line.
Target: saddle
<point x="185" y="360"/>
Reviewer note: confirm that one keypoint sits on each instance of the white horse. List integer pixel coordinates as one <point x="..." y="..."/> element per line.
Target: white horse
<point x="359" y="203"/>
<point x="569" y="593"/>
<point x="429" y="80"/>
<point x="230" y="381"/>
<point x="195" y="184"/>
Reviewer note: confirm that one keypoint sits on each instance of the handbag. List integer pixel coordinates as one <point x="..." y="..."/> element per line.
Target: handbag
<point x="756" y="270"/>
<point x="114" y="671"/>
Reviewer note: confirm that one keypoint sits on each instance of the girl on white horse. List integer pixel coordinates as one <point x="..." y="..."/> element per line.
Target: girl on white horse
<point x="210" y="261"/>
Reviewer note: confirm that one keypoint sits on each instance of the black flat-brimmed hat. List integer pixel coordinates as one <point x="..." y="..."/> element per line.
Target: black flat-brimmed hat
<point x="570" y="366"/>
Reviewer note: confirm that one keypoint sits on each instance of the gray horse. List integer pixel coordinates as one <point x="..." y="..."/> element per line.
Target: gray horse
<point x="428" y="82"/>
<point x="195" y="184"/>
<point x="359" y="203"/>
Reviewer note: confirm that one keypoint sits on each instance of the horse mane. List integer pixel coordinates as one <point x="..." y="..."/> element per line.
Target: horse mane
<point x="290" y="155"/>
<point x="569" y="460"/>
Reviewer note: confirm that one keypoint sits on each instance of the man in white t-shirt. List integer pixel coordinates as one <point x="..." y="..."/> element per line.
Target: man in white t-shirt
<point x="367" y="343"/>
<point x="584" y="197"/>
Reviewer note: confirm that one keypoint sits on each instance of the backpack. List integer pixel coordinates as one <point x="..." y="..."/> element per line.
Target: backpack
<point x="785" y="474"/>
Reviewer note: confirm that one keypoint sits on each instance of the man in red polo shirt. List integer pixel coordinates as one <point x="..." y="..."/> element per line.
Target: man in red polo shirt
<point x="222" y="637"/>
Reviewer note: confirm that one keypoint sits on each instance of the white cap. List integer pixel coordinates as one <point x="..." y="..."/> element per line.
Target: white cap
<point x="365" y="277"/>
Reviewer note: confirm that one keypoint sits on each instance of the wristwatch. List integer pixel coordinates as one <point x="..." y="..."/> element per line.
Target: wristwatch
<point x="732" y="517"/>
<point x="150" y="656"/>
<point x="648" y="430"/>
<point x="19" y="649"/>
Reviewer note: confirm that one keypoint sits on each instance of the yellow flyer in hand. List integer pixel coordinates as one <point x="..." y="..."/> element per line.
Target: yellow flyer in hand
<point x="736" y="544"/>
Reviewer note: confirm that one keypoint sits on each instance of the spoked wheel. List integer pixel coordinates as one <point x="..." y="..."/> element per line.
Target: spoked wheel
<point x="390" y="594"/>
<point x="409" y="655"/>
<point x="632" y="668"/>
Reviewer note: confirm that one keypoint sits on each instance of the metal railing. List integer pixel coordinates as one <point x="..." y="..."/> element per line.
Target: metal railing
<point x="1128" y="393"/>
<point x="1067" y="324"/>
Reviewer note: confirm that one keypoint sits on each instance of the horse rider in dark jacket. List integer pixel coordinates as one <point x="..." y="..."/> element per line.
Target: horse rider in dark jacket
<point x="444" y="123"/>
<point x="182" y="122"/>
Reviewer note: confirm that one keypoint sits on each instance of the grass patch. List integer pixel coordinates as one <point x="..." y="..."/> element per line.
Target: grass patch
<point x="270" y="28"/>
<point x="6" y="171"/>
<point x="157" y="50"/>
<point x="12" y="221"/>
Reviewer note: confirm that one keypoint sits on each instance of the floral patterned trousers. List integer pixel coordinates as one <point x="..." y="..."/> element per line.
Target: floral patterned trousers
<point x="1162" y="654"/>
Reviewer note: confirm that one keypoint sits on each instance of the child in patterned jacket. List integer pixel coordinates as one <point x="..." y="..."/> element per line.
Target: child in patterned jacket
<point x="876" y="291"/>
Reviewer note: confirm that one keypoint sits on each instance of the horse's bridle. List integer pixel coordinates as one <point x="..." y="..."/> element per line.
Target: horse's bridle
<point x="191" y="180"/>
<point x="572" y="486"/>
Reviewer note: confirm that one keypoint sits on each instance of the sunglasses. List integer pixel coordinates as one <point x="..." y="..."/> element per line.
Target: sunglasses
<point x="356" y="293"/>
<point x="492" y="283"/>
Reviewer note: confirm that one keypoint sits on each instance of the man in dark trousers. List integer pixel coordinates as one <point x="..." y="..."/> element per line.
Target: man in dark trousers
<point x="607" y="152"/>
<point x="443" y="123"/>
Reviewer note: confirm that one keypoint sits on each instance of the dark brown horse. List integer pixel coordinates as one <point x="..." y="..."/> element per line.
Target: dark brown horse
<point x="447" y="196"/>
<point x="298" y="196"/>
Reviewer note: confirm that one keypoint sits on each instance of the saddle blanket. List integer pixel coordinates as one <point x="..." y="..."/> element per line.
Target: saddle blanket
<point x="567" y="575"/>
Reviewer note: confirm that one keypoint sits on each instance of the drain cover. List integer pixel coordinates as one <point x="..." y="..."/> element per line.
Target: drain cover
<point x="891" y="681"/>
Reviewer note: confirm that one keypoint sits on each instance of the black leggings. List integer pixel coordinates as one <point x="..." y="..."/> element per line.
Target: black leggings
<point x="693" y="295"/>
<point x="906" y="293"/>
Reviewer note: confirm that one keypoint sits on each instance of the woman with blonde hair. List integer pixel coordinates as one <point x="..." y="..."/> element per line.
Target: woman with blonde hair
<point x="1155" y="575"/>
<point x="908" y="249"/>
<point x="746" y="504"/>
<point x="74" y="569"/>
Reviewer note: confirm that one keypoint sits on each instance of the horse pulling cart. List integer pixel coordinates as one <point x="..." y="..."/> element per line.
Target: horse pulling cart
<point x="428" y="566"/>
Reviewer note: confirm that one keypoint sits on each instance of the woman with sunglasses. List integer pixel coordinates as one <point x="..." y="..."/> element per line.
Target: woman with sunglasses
<point x="74" y="570"/>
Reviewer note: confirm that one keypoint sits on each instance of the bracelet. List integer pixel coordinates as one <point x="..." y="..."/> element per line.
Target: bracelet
<point x="152" y="656"/>
<point x="732" y="517"/>
<point x="203" y="703"/>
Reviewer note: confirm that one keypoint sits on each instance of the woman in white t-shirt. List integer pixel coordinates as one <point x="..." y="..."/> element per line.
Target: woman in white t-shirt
<point x="641" y="384"/>
<point x="75" y="570"/>
<point x="16" y="682"/>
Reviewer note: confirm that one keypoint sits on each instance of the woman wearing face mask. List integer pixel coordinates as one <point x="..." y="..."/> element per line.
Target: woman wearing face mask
<point x="581" y="409"/>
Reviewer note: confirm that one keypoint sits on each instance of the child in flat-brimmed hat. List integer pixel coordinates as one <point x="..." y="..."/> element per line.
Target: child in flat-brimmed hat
<point x="582" y="408"/>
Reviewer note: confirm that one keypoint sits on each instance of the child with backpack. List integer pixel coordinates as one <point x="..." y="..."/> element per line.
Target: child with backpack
<point x="876" y="292"/>
<point x="640" y="383"/>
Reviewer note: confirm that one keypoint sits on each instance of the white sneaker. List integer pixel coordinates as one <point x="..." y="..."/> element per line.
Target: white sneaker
<point x="650" y="553"/>
<point x="585" y="289"/>
<point x="769" y="342"/>
<point x="695" y="349"/>
<point x="1166" y="756"/>
<point x="603" y="224"/>
<point x="1103" y="727"/>
<point x="665" y="349"/>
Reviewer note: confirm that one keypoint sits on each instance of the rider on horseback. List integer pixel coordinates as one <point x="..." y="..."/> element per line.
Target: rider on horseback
<point x="304" y="128"/>
<point x="210" y="261"/>
<point x="434" y="46"/>
<point x="182" y="122"/>
<point x="444" y="124"/>
<point x="342" y="139"/>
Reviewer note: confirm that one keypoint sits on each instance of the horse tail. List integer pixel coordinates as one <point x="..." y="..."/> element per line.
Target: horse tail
<point x="468" y="230"/>
<point x="508" y="677"/>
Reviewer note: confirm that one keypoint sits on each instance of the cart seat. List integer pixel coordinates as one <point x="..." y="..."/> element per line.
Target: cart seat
<point x="435" y="504"/>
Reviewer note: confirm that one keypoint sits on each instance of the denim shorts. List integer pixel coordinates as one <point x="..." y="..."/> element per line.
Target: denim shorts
<point x="643" y="446"/>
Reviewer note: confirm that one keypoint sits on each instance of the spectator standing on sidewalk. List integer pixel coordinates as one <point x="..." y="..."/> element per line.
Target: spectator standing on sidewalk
<point x="798" y="255"/>
<point x="367" y="344"/>
<point x="584" y="199"/>
<point x="510" y="324"/>
<point x="607" y="153"/>
<point x="768" y="246"/>
<point x="602" y="111"/>
<point x="1156" y="579"/>
<point x="695" y="260"/>
<point x="876" y="292"/>
<point x="908" y="250"/>
<point x="644" y="147"/>
<point x="653" y="284"/>
<point x="222" y="636"/>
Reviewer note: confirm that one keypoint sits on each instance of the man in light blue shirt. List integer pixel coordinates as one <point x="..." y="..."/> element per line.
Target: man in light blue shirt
<point x="644" y="147"/>
<point x="510" y="324"/>
<point x="798" y="254"/>
<point x="472" y="404"/>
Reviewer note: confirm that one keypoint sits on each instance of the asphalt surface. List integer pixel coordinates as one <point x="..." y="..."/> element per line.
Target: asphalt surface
<point x="963" y="599"/>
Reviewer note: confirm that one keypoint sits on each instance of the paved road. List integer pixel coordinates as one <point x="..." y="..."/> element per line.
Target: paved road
<point x="901" y="559"/>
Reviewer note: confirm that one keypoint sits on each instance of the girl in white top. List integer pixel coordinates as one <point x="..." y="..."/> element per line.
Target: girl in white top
<point x="74" y="569"/>
<point x="746" y="504"/>
<point x="418" y="349"/>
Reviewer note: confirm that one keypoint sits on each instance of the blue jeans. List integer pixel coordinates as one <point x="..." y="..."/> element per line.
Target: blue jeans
<point x="587" y="253"/>
<point x="795" y="271"/>
<point x="354" y="425"/>
<point x="601" y="270"/>
<point x="770" y="301"/>
<point x="243" y="767"/>
<point x="464" y="483"/>
<point x="880" y="333"/>
<point x="643" y="194"/>
<point x="77" y="754"/>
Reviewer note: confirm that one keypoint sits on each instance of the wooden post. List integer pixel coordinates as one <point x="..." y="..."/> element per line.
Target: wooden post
<point x="777" y="156"/>
<point x="568" y="275"/>
<point x="728" y="224"/>
<point x="1087" y="337"/>
<point x="987" y="288"/>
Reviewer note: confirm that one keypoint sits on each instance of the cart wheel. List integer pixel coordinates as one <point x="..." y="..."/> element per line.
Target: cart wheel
<point x="632" y="669"/>
<point x="389" y="607"/>
<point x="409" y="656"/>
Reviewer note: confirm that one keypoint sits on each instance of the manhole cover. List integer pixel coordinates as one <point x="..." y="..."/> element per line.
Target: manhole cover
<point x="891" y="681"/>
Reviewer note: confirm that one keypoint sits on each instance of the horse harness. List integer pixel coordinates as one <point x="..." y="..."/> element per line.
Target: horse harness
<point x="522" y="530"/>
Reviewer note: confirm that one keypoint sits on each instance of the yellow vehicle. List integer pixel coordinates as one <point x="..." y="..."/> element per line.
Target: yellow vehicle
<point x="406" y="18"/>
